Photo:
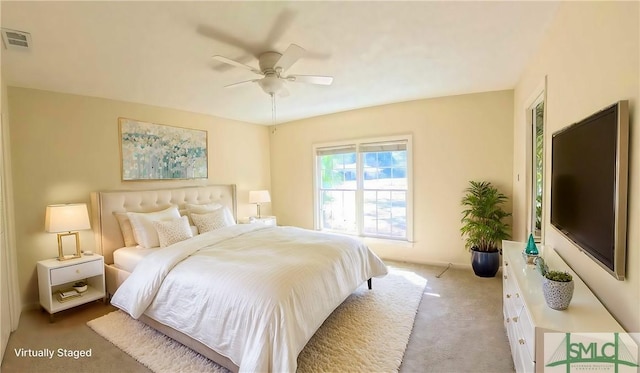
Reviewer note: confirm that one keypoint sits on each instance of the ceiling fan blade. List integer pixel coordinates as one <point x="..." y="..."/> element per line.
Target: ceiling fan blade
<point x="236" y="64"/>
<point x="280" y="25"/>
<point x="311" y="79"/>
<point x="243" y="82"/>
<point x="289" y="57"/>
<point x="223" y="37"/>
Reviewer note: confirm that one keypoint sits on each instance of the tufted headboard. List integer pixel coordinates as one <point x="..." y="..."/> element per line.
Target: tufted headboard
<point x="105" y="204"/>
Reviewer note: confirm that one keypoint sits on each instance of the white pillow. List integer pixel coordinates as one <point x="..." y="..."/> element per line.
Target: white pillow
<point x="144" y="231"/>
<point x="204" y="208"/>
<point x="199" y="209"/>
<point x="172" y="231"/>
<point x="210" y="207"/>
<point x="125" y="229"/>
<point x="210" y="221"/>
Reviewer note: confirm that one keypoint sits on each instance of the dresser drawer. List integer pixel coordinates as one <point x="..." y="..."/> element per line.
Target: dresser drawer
<point x="511" y="293"/>
<point x="521" y="360"/>
<point x="526" y="330"/>
<point x="75" y="272"/>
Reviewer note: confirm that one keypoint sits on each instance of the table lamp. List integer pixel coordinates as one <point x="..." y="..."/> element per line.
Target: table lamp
<point x="67" y="218"/>
<point x="258" y="197"/>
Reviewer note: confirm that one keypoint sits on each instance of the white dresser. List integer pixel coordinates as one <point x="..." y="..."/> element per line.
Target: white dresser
<point x="526" y="315"/>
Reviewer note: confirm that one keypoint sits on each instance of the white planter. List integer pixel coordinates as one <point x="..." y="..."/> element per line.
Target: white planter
<point x="557" y="294"/>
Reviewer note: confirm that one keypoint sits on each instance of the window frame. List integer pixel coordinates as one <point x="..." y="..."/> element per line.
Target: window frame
<point x="539" y="96"/>
<point x="537" y="232"/>
<point x="317" y="211"/>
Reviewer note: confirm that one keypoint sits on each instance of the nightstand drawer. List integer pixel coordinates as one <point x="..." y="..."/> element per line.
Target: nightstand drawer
<point x="76" y="272"/>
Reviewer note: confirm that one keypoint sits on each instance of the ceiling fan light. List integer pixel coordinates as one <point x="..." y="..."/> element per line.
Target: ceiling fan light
<point x="270" y="84"/>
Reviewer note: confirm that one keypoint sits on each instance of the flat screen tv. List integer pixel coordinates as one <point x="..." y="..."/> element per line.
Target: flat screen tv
<point x="589" y="170"/>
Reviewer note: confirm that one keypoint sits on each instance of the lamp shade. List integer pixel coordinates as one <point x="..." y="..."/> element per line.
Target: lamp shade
<point x="259" y="196"/>
<point x="66" y="218"/>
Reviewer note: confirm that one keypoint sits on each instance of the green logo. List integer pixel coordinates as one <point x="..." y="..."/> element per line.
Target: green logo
<point x="588" y="353"/>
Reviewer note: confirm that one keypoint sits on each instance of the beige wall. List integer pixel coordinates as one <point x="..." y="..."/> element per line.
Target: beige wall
<point x="9" y="289"/>
<point x="455" y="139"/>
<point x="64" y="147"/>
<point x="590" y="59"/>
<point x="6" y="251"/>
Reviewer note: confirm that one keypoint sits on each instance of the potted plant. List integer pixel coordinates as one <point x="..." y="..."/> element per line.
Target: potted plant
<point x="483" y="226"/>
<point x="557" y="287"/>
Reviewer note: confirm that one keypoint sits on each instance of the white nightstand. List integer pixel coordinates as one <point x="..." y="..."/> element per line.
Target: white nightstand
<point x="55" y="276"/>
<point x="266" y="220"/>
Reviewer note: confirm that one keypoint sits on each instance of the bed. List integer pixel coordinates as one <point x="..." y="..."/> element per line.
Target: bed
<point x="246" y="296"/>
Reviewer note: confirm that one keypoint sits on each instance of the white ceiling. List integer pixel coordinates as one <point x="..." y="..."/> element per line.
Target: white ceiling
<point x="159" y="53"/>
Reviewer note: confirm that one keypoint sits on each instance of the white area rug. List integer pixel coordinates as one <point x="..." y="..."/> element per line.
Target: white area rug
<point x="367" y="333"/>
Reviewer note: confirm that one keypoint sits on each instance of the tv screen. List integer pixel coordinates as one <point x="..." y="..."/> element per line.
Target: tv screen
<point x="589" y="166"/>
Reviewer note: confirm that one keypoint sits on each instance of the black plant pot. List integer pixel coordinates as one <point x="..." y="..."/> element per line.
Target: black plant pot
<point x="485" y="263"/>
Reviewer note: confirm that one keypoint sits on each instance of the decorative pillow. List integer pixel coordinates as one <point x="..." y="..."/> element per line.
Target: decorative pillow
<point x="210" y="207"/>
<point x="172" y="231"/>
<point x="144" y="231"/>
<point x="126" y="229"/>
<point x="202" y="209"/>
<point x="199" y="209"/>
<point x="210" y="221"/>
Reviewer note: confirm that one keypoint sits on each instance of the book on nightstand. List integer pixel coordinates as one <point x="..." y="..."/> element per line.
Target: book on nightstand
<point x="64" y="296"/>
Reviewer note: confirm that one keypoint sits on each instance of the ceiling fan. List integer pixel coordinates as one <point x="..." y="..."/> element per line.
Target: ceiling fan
<point x="273" y="65"/>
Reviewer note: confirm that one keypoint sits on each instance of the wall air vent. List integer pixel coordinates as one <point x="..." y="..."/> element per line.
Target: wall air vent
<point x="14" y="39"/>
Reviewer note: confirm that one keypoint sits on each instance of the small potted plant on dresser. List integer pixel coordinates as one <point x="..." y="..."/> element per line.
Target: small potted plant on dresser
<point x="483" y="226"/>
<point x="557" y="287"/>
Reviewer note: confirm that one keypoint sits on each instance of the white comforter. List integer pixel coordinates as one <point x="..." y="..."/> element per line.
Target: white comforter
<point x="252" y="293"/>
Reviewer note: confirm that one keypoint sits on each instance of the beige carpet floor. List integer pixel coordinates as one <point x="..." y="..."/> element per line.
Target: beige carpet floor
<point x="458" y="329"/>
<point x="368" y="332"/>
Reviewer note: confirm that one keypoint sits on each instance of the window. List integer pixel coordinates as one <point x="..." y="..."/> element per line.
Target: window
<point x="536" y="112"/>
<point x="363" y="188"/>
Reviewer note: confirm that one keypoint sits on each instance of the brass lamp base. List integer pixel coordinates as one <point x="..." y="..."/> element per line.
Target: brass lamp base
<point x="61" y="255"/>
